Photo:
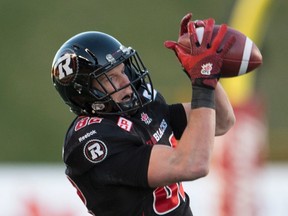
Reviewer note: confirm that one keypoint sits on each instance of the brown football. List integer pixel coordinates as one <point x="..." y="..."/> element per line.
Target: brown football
<point x="243" y="57"/>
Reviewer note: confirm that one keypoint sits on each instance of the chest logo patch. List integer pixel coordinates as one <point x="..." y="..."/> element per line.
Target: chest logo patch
<point x="145" y="118"/>
<point x="95" y="151"/>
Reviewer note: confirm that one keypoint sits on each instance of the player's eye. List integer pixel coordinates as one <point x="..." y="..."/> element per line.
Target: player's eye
<point x="111" y="78"/>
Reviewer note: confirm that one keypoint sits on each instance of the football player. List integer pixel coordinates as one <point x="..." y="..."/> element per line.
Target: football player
<point x="127" y="151"/>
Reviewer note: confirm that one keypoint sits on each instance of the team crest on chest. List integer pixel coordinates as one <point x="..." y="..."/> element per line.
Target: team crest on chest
<point x="95" y="151"/>
<point x="145" y="118"/>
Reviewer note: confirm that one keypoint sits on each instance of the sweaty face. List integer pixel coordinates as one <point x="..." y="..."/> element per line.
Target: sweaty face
<point x="113" y="80"/>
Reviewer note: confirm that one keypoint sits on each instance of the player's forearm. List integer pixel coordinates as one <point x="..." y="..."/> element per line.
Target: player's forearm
<point x="190" y="158"/>
<point x="197" y="141"/>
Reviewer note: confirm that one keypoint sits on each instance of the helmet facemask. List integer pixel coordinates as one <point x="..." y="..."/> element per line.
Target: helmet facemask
<point x="140" y="83"/>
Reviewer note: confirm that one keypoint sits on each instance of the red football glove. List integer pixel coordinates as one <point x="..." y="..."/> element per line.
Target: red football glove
<point x="204" y="61"/>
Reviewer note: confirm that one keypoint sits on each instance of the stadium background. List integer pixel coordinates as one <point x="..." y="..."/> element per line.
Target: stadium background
<point x="34" y="119"/>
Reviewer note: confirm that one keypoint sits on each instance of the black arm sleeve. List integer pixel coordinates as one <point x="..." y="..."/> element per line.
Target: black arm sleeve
<point x="178" y="119"/>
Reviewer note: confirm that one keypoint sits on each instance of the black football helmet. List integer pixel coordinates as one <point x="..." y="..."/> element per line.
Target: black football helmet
<point x="88" y="56"/>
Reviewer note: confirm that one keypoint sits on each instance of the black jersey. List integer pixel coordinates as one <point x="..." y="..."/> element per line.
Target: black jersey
<point x="107" y="161"/>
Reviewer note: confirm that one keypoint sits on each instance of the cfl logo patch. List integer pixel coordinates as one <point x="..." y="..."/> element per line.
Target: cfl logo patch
<point x="206" y="69"/>
<point x="95" y="151"/>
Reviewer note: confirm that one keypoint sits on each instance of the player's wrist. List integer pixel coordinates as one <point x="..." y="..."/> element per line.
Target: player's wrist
<point x="202" y="97"/>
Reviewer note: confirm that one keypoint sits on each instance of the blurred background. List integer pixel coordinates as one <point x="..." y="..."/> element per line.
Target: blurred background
<point x="34" y="119"/>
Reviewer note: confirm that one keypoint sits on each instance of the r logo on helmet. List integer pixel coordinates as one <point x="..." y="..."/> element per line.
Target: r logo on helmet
<point x="65" y="67"/>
